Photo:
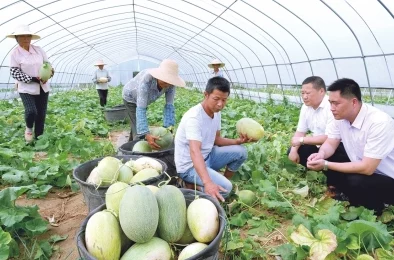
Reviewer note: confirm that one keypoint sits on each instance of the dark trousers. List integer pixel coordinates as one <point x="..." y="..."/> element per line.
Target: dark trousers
<point x="103" y="93"/>
<point x="370" y="191"/>
<point x="131" y="109"/>
<point x="35" y="110"/>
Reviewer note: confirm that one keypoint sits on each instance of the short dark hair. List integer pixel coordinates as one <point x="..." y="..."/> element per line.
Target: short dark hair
<point x="348" y="88"/>
<point x="316" y="81"/>
<point x="218" y="83"/>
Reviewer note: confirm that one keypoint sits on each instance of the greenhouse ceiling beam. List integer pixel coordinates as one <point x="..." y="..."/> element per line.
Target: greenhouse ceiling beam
<point x="317" y="34"/>
<point x="49" y="17"/>
<point x="359" y="45"/>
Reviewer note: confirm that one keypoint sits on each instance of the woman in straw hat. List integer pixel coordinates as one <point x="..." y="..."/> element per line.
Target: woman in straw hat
<point x="26" y="61"/>
<point x="101" y="78"/>
<point x="215" y="65"/>
<point x="145" y="88"/>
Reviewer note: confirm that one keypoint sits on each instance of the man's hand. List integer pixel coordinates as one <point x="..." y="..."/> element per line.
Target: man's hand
<point x="315" y="156"/>
<point x="316" y="165"/>
<point x="295" y="141"/>
<point x="294" y="156"/>
<point x="151" y="139"/>
<point x="244" y="139"/>
<point x="213" y="189"/>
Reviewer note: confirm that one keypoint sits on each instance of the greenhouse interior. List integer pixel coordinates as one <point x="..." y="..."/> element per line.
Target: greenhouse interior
<point x="210" y="129"/>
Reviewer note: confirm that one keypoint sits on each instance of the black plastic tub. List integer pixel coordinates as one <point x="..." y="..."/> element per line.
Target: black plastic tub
<point x="95" y="196"/>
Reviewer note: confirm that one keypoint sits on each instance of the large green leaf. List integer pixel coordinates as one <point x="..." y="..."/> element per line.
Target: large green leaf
<point x="372" y="234"/>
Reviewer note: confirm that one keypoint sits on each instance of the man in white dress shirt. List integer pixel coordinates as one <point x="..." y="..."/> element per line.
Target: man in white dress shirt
<point x="315" y="115"/>
<point x="367" y="134"/>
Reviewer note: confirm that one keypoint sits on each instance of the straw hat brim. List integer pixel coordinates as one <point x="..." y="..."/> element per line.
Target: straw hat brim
<point x="33" y="36"/>
<point x="171" y="79"/>
<point x="97" y="64"/>
<point x="221" y="65"/>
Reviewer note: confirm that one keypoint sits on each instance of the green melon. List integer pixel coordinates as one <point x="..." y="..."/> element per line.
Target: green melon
<point x="166" y="137"/>
<point x="172" y="213"/>
<point x="187" y="237"/>
<point x="103" y="236"/>
<point x="155" y="249"/>
<point x="139" y="214"/>
<point x="142" y="147"/>
<point x="114" y="195"/>
<point x="192" y="250"/>
<point x="250" y="127"/>
<point x="143" y="175"/>
<point x="247" y="197"/>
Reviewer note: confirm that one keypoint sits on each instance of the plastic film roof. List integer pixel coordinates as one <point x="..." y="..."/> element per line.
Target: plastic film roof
<point x="265" y="42"/>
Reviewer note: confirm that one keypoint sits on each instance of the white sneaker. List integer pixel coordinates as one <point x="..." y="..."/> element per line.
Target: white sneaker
<point x="28" y="137"/>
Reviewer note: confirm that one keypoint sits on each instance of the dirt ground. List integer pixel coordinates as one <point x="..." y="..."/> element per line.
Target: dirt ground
<point x="67" y="210"/>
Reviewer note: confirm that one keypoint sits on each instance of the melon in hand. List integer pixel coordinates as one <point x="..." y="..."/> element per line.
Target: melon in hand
<point x="250" y="128"/>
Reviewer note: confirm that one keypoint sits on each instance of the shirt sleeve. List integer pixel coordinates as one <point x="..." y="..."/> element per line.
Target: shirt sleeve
<point x="169" y="115"/>
<point x="142" y="121"/>
<point x="170" y="95"/>
<point x="193" y="129"/>
<point x="94" y="78"/>
<point x="14" y="62"/>
<point x="143" y="91"/>
<point x="302" y="125"/>
<point x="380" y="140"/>
<point x="108" y="76"/>
<point x="19" y="75"/>
<point x="333" y="129"/>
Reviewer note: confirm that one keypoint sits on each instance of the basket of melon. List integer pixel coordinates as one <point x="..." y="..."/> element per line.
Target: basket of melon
<point x="146" y="222"/>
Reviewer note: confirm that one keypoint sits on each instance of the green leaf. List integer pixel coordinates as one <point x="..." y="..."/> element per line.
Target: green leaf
<point x="240" y="219"/>
<point x="387" y="216"/>
<point x="384" y="254"/>
<point x="372" y="234"/>
<point x="4" y="251"/>
<point x="353" y="243"/>
<point x="352" y="213"/>
<point x="298" y="219"/>
<point x="364" y="257"/>
<point x="10" y="216"/>
<point x="57" y="238"/>
<point x="36" y="226"/>
<point x="286" y="251"/>
<point x="44" y="251"/>
<point x="234" y="245"/>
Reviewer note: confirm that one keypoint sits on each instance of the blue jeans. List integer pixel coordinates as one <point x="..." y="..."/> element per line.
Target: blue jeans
<point x="231" y="156"/>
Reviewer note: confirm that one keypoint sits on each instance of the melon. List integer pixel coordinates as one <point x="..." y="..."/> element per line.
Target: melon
<point x="155" y="249"/>
<point x="114" y="195"/>
<point x="94" y="177"/>
<point x="203" y="220"/>
<point x="125" y="173"/>
<point x="251" y="128"/>
<point x="143" y="175"/>
<point x="247" y="197"/>
<point x="139" y="214"/>
<point x="172" y="213"/>
<point x="108" y="170"/>
<point x="103" y="236"/>
<point x="142" y="147"/>
<point x="147" y="162"/>
<point x="187" y="237"/>
<point x="166" y="137"/>
<point x="103" y="80"/>
<point x="192" y="250"/>
<point x="152" y="188"/>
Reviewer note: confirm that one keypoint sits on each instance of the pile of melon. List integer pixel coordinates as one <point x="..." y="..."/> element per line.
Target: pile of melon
<point x="146" y="222"/>
<point x="110" y="170"/>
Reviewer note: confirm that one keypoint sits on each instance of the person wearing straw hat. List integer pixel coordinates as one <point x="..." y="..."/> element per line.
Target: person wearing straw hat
<point x="145" y="88"/>
<point x="26" y="61"/>
<point x="101" y="78"/>
<point x="215" y="65"/>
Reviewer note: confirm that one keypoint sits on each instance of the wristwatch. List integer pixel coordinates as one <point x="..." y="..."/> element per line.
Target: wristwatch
<point x="325" y="167"/>
<point x="302" y="140"/>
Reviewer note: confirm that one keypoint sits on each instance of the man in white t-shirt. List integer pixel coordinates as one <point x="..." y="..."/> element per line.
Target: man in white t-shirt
<point x="200" y="151"/>
<point x="315" y="115"/>
<point x="367" y="134"/>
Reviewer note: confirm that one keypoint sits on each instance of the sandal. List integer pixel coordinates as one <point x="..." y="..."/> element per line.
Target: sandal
<point x="180" y="183"/>
<point x="28" y="137"/>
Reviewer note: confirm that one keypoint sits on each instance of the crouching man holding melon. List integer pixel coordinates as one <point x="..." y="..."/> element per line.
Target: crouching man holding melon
<point x="200" y="151"/>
